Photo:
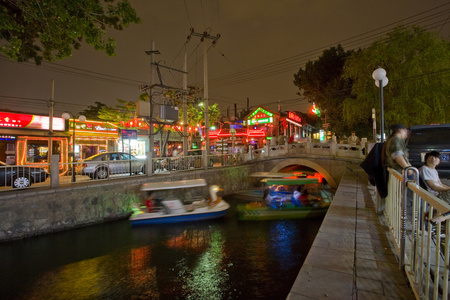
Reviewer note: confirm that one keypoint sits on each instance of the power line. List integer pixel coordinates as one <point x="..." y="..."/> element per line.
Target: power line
<point x="291" y="63"/>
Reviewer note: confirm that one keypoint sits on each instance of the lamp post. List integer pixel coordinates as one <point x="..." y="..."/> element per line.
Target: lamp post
<point x="381" y="81"/>
<point x="82" y="118"/>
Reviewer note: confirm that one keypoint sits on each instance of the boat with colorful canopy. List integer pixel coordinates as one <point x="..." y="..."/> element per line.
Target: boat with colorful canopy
<point x="287" y="198"/>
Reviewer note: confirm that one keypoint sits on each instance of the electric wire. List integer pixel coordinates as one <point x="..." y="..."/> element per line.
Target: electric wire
<point x="287" y="63"/>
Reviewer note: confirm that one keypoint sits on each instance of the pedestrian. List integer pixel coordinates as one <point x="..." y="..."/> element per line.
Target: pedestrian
<point x="396" y="153"/>
<point x="353" y="139"/>
<point x="430" y="177"/>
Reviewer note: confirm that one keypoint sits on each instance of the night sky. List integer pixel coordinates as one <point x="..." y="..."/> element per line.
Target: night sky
<point x="262" y="44"/>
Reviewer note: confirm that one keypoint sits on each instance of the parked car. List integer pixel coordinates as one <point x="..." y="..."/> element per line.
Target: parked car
<point x="21" y="176"/>
<point x="102" y="165"/>
<point x="426" y="138"/>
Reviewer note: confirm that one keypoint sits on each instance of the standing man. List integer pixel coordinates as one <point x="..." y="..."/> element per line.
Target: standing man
<point x="430" y="176"/>
<point x="396" y="152"/>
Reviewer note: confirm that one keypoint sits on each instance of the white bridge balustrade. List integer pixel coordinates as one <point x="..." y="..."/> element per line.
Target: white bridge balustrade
<point x="319" y="149"/>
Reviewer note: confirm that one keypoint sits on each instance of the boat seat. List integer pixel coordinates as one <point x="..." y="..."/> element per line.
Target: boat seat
<point x="174" y="206"/>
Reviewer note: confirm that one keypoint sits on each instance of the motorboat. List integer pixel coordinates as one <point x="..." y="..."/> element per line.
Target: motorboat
<point x="178" y="201"/>
<point x="287" y="198"/>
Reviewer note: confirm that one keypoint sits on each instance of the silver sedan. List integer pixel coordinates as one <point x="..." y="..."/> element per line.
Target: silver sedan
<point x="102" y="165"/>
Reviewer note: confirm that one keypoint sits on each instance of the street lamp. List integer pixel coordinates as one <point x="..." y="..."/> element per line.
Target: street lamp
<point x="82" y="118"/>
<point x="381" y="81"/>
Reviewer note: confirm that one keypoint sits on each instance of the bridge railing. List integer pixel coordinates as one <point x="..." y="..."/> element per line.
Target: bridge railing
<point x="423" y="247"/>
<point x="76" y="172"/>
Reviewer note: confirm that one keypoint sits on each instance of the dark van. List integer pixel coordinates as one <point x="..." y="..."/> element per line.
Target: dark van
<point x="426" y="138"/>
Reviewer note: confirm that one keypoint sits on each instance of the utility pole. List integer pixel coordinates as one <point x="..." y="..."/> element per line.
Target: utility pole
<point x="185" y="135"/>
<point x="151" y="138"/>
<point x="203" y="36"/>
<point x="51" y="105"/>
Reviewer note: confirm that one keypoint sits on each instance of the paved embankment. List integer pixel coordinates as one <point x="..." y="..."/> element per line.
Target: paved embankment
<point x="352" y="257"/>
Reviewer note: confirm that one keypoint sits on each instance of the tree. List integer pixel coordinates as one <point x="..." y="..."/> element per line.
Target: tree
<point x="417" y="63"/>
<point x="321" y="82"/>
<point x="92" y="112"/>
<point x="48" y="30"/>
<point x="124" y="111"/>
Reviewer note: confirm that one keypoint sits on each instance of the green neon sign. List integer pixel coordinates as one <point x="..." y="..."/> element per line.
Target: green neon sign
<point x="261" y="110"/>
<point x="260" y="121"/>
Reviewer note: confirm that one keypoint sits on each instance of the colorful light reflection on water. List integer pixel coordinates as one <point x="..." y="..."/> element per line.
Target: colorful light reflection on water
<point x="222" y="259"/>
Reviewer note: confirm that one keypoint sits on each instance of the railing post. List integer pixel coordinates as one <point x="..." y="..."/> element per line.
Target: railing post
<point x="54" y="171"/>
<point x="403" y="205"/>
<point x="363" y="145"/>
<point x="267" y="150"/>
<point x="308" y="146"/>
<point x="148" y="164"/>
<point x="333" y="146"/>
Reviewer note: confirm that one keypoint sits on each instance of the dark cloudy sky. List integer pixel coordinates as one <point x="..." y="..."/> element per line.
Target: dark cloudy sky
<point x="262" y="44"/>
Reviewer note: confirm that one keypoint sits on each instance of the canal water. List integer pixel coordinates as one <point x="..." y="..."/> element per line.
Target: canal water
<point x="219" y="259"/>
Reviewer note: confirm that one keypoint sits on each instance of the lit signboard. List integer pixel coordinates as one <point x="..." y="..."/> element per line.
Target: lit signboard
<point x="294" y="117"/>
<point x="260" y="121"/>
<point x="12" y="120"/>
<point x="260" y="116"/>
<point x="129" y="134"/>
<point x="94" y="126"/>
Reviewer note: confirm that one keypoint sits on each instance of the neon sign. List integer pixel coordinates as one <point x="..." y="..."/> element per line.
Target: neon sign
<point x="260" y="121"/>
<point x="260" y="116"/>
<point x="260" y="110"/>
<point x="294" y="117"/>
<point x="12" y="120"/>
<point x="315" y="110"/>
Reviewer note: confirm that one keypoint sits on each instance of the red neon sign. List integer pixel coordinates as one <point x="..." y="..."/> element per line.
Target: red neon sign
<point x="294" y="117"/>
<point x="12" y="120"/>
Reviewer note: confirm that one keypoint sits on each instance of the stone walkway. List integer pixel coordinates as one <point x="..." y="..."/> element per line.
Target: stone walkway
<point x="352" y="256"/>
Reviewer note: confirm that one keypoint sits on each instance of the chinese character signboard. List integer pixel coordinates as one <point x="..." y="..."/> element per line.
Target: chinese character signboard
<point x="129" y="134"/>
<point x="12" y="120"/>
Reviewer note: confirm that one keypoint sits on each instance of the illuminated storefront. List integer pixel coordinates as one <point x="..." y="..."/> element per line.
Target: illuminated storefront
<point x="292" y="126"/>
<point x="93" y="137"/>
<point x="24" y="139"/>
<point x="262" y="124"/>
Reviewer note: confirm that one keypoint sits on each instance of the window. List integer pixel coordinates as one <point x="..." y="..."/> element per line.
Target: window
<point x="428" y="137"/>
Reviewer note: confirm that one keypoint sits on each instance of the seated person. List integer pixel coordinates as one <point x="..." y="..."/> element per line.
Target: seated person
<point x="267" y="198"/>
<point x="430" y="176"/>
<point x="150" y="202"/>
<point x="296" y="197"/>
<point x="307" y="199"/>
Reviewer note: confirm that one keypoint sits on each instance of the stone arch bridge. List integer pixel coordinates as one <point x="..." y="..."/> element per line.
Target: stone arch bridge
<point x="331" y="168"/>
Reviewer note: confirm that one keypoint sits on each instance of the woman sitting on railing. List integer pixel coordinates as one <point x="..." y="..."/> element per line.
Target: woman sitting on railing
<point x="431" y="179"/>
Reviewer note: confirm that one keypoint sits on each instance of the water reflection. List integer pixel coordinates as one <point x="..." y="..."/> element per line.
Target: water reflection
<point x="222" y="259"/>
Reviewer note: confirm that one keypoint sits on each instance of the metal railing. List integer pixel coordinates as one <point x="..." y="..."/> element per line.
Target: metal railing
<point x="18" y="176"/>
<point x="70" y="173"/>
<point x="423" y="248"/>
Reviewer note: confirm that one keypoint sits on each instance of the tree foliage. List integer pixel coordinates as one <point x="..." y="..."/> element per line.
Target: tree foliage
<point x="124" y="111"/>
<point x="417" y="63"/>
<point x="196" y="114"/>
<point x="321" y="82"/>
<point x="91" y="113"/>
<point x="48" y="30"/>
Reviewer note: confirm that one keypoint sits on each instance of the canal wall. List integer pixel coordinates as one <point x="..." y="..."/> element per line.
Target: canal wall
<point x="35" y="211"/>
